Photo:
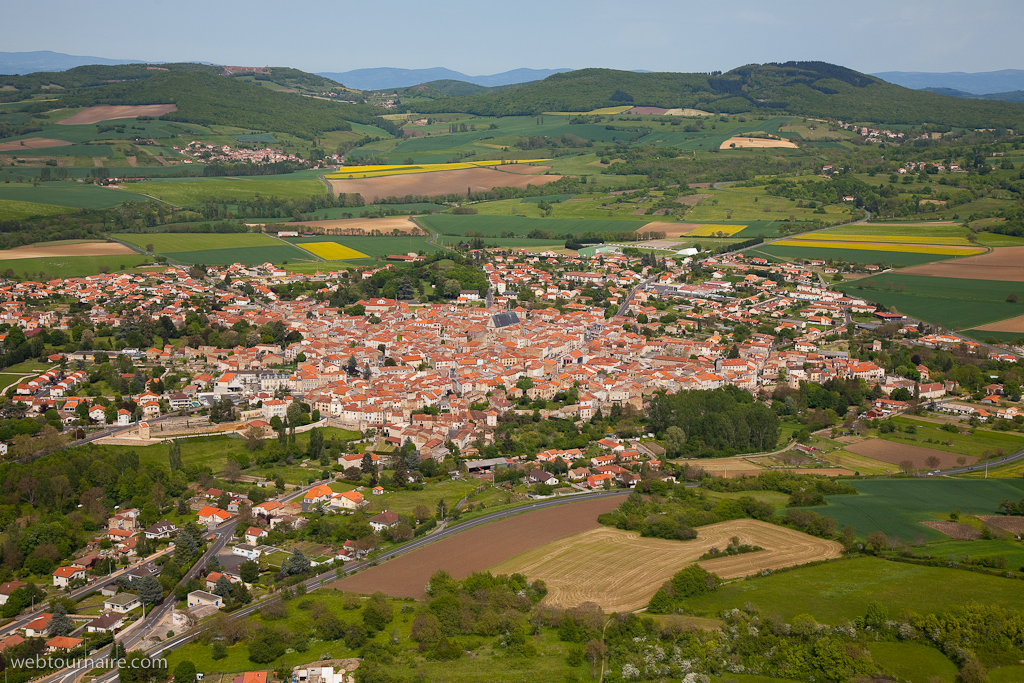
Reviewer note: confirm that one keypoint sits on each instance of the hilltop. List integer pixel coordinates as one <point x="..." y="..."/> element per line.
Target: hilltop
<point x="256" y="98"/>
<point x="800" y="88"/>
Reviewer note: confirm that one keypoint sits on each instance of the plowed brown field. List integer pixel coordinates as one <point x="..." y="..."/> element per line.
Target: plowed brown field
<point x="436" y="183"/>
<point x="478" y="548"/>
<point x="887" y="451"/>
<point x="1015" y="525"/>
<point x="620" y="571"/>
<point x="524" y="169"/>
<point x="671" y="229"/>
<point x="31" y="143"/>
<point x="344" y="226"/>
<point x="1005" y="264"/>
<point x="1010" y="325"/>
<point x="113" y="112"/>
<point x="961" y="532"/>
<point x="58" y="250"/>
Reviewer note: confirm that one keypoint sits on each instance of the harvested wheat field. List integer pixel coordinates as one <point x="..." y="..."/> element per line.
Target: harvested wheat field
<point x="961" y="532"/>
<point x="601" y="566"/>
<point x="58" y="250"/>
<point x="757" y="143"/>
<point x="671" y="229"/>
<point x="362" y="226"/>
<point x="31" y="143"/>
<point x="524" y="169"/>
<point x="1005" y="264"/>
<point x="896" y="453"/>
<point x="435" y="183"/>
<point x="1010" y="325"/>
<point x="692" y="199"/>
<point x="113" y="112"/>
<point x="478" y="548"/>
<point x="1014" y="525"/>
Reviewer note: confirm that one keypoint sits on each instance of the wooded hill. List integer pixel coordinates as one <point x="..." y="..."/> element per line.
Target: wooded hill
<point x="202" y="95"/>
<point x="801" y="88"/>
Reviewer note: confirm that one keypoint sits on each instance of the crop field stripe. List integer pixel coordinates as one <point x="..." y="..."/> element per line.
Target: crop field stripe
<point x="712" y="229"/>
<point x="898" y="239"/>
<point x="493" y="226"/>
<point x="948" y="251"/>
<point x="853" y="255"/>
<point x="244" y="255"/>
<point x="189" y="241"/>
<point x="332" y="251"/>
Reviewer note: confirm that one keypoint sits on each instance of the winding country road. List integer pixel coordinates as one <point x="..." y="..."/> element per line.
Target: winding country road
<point x="226" y="531"/>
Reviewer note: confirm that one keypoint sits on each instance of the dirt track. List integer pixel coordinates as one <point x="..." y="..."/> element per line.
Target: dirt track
<point x="602" y="566"/>
<point x="59" y="250"/>
<point x="113" y="112"/>
<point x="1005" y="264"/>
<point x="32" y="143"/>
<point x="478" y="548"/>
<point x="436" y="183"/>
<point x="895" y="453"/>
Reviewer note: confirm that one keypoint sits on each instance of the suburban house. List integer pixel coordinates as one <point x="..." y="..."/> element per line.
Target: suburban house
<point x="162" y="529"/>
<point x="253" y="534"/>
<point x="63" y="576"/>
<point x="212" y="577"/>
<point x="62" y="644"/>
<point x="212" y="517"/>
<point x="203" y="599"/>
<point x="7" y="588"/>
<point x="541" y="477"/>
<point x="348" y="500"/>
<point x="37" y="627"/>
<point x="122" y="603"/>
<point x="107" y="622"/>
<point x="246" y="550"/>
<point x="316" y="495"/>
<point x="384" y="520"/>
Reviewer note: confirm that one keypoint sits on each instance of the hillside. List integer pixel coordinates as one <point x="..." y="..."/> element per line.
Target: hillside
<point x="204" y="97"/>
<point x="46" y="60"/>
<point x="391" y="78"/>
<point x="1014" y="96"/>
<point x="800" y="88"/>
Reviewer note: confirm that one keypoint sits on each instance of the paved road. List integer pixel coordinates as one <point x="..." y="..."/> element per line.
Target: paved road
<point x="225" y="532"/>
<point x="980" y="466"/>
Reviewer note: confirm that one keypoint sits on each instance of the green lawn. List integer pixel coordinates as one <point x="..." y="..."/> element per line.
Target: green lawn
<point x="71" y="266"/>
<point x="951" y="302"/>
<point x="862" y="256"/>
<point x="69" y="194"/>
<point x="839" y="591"/>
<point x="898" y="506"/>
<point x="977" y="443"/>
<point x="913" y="662"/>
<point x="406" y="501"/>
<point x="192" y="191"/>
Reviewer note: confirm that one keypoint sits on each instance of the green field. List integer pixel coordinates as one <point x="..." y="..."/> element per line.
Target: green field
<point x="913" y="662"/>
<point x="898" y="506"/>
<point x="219" y="249"/>
<point x="899" y="230"/>
<point x="838" y="591"/>
<point x="862" y="256"/>
<point x="193" y="191"/>
<point x="374" y="246"/>
<point x="11" y="210"/>
<point x="406" y="501"/>
<point x="951" y="302"/>
<point x="494" y="226"/>
<point x="978" y="443"/>
<point x="69" y="194"/>
<point x="71" y="266"/>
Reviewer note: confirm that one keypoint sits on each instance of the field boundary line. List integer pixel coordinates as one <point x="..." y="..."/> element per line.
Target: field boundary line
<point x="316" y="259"/>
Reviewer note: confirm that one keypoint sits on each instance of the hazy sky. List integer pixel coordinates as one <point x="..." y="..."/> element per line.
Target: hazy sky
<point x="483" y="37"/>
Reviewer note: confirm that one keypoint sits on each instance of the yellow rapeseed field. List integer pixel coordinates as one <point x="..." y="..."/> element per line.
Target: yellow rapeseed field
<point x="946" y="251"/>
<point x="711" y="230"/>
<point x="332" y="251"/>
<point x="403" y="169"/>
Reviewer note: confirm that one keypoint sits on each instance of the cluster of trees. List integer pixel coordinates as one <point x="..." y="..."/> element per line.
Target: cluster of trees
<point x="710" y="423"/>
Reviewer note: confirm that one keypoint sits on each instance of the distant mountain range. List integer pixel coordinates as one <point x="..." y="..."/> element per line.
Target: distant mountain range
<point x="386" y="77"/>
<point x="44" y="60"/>
<point x="980" y="83"/>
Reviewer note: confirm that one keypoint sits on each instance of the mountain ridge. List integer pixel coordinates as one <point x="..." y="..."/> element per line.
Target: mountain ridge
<point x="979" y="83"/>
<point x="391" y="77"/>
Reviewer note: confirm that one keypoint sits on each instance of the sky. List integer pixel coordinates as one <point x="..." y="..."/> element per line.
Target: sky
<point x="492" y="36"/>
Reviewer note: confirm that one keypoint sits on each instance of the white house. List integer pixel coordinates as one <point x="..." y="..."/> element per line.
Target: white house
<point x="63" y="576"/>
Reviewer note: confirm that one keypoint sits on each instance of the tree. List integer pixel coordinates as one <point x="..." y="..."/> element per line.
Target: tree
<point x="451" y="289"/>
<point x="378" y="612"/>
<point x="907" y="466"/>
<point x="298" y="563"/>
<point x="351" y="365"/>
<point x="60" y="623"/>
<point x="222" y="587"/>
<point x="442" y="509"/>
<point x="675" y="440"/>
<point x="150" y="591"/>
<point x="174" y="456"/>
<point x="316" y="444"/>
<point x="877" y="541"/>
<point x="366" y="464"/>
<point x="266" y="645"/>
<point x="249" y="571"/>
<point x="219" y="650"/>
<point x="406" y="290"/>
<point x="932" y="461"/>
<point x="1011" y="297"/>
<point x="184" y="672"/>
<point x="421" y="513"/>
<point x="254" y="437"/>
